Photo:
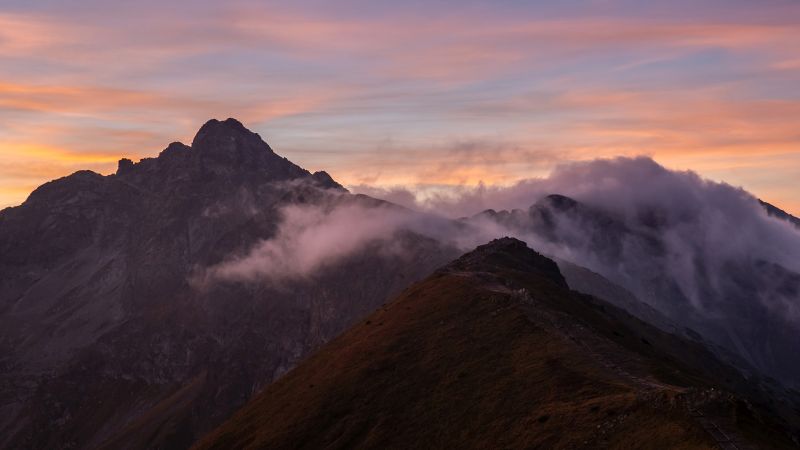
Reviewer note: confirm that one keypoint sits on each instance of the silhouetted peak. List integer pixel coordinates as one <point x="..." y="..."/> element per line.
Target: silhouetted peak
<point x="231" y="122"/>
<point x="504" y="244"/>
<point x="124" y="166"/>
<point x="175" y="149"/>
<point x="558" y="201"/>
<point x="227" y="147"/>
<point x="222" y="152"/>
<point x="228" y="134"/>
<point x="323" y="179"/>
<point x="505" y="255"/>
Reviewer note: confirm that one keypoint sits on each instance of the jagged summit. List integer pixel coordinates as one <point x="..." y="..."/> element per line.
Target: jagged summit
<point x="324" y="179"/>
<point x="229" y="134"/>
<point x="230" y="124"/>
<point x="221" y="148"/>
<point x="222" y="140"/>
<point x="508" y="254"/>
<point x="222" y="152"/>
<point x="224" y="156"/>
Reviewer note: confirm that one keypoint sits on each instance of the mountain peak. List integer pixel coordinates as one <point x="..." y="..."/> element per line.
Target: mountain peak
<point x="227" y="147"/>
<point x="324" y="180"/>
<point x="227" y="135"/>
<point x="223" y="154"/>
<point x="505" y="255"/>
<point x="228" y="126"/>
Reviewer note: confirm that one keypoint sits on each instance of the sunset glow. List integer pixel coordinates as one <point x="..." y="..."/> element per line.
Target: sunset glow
<point x="416" y="94"/>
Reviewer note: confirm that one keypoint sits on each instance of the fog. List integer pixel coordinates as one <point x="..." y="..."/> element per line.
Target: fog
<point x="706" y="254"/>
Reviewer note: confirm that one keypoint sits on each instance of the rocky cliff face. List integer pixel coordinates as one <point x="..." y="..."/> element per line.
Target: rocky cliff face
<point x="102" y="336"/>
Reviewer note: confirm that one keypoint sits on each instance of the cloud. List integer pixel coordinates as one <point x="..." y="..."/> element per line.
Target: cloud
<point x="325" y="231"/>
<point x="629" y="189"/>
<point x="309" y="238"/>
<point x="688" y="210"/>
<point x="705" y="254"/>
<point x="21" y="34"/>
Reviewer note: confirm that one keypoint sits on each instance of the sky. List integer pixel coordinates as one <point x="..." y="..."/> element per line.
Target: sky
<point x="425" y="94"/>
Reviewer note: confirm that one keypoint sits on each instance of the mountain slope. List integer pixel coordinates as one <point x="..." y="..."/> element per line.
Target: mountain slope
<point x="774" y="211"/>
<point x="686" y="270"/>
<point x="103" y="336"/>
<point x="494" y="351"/>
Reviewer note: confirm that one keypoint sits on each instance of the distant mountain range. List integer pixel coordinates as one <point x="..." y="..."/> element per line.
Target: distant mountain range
<point x="144" y="308"/>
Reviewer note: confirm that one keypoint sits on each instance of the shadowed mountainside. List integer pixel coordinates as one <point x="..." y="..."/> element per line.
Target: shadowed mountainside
<point x="494" y="351"/>
<point x="102" y="337"/>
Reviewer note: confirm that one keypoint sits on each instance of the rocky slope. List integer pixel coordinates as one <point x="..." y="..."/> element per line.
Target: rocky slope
<point x="103" y="338"/>
<point x="494" y="351"/>
<point x="743" y="305"/>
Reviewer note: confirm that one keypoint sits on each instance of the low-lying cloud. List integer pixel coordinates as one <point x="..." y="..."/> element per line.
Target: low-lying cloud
<point x="310" y="237"/>
<point x="315" y="235"/>
<point x="705" y="254"/>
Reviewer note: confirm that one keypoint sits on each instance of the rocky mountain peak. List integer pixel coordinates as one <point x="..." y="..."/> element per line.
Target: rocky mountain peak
<point x="221" y="150"/>
<point x="323" y="179"/>
<point x="228" y="148"/>
<point x="224" y="156"/>
<point x="508" y="254"/>
<point x="216" y="132"/>
<point x="124" y="165"/>
<point x="227" y="144"/>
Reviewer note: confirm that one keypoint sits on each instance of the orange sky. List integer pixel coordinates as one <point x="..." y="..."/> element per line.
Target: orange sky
<point x="387" y="94"/>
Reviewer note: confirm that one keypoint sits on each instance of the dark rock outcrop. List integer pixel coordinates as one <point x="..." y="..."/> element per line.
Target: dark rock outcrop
<point x="508" y="254"/>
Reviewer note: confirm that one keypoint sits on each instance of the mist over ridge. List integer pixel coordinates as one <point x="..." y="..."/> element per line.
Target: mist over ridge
<point x="706" y="254"/>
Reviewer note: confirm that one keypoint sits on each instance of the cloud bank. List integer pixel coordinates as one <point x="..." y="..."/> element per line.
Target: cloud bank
<point x="705" y="254"/>
<point x="311" y="237"/>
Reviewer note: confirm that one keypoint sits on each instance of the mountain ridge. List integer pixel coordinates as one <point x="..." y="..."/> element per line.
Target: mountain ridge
<point x="486" y="352"/>
<point x="100" y="328"/>
<point x="634" y="252"/>
<point x="104" y="341"/>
